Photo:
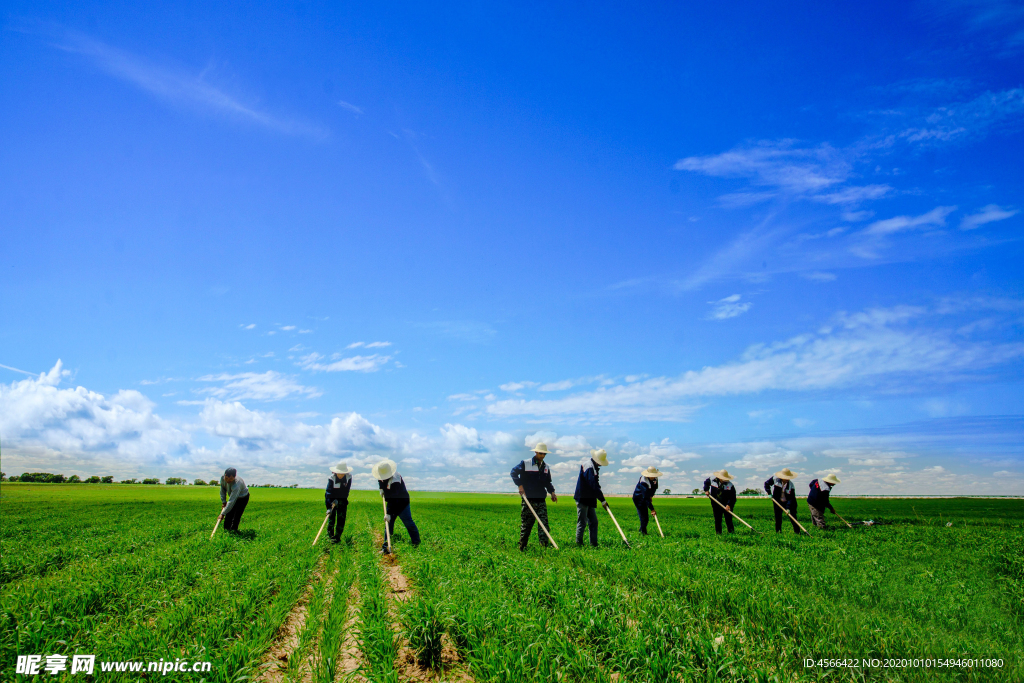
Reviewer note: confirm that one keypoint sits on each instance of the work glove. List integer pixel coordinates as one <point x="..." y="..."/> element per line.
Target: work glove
<point x="604" y="503"/>
<point x="387" y="518"/>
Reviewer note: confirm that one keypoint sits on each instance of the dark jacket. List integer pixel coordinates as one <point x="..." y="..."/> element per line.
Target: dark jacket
<point x="394" y="488"/>
<point x="643" y="494"/>
<point x="818" y="497"/>
<point x="337" y="491"/>
<point x="535" y="480"/>
<point x="588" y="485"/>
<point x="782" y="491"/>
<point x="722" y="491"/>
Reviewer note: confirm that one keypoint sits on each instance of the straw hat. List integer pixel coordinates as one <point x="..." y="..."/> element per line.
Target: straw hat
<point x="831" y="479"/>
<point x="785" y="473"/>
<point x="540" y="448"/>
<point x="651" y="473"/>
<point x="341" y="468"/>
<point x="385" y="469"/>
<point x="600" y="457"/>
<point x="723" y="475"/>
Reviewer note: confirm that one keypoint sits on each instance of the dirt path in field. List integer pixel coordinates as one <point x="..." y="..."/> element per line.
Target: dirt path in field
<point x="453" y="669"/>
<point x="275" y="661"/>
<point x="351" y="655"/>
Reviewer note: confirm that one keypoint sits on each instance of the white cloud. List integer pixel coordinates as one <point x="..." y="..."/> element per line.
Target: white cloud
<point x="780" y="164"/>
<point x="988" y="214"/>
<point x="513" y="387"/>
<point x="371" y="363"/>
<point x="267" y="386"/>
<point x="665" y="455"/>
<point x="802" y="422"/>
<point x="872" y="348"/>
<point x="378" y="344"/>
<point x="178" y="87"/>
<point x="558" y="386"/>
<point x="729" y="307"/>
<point x="819" y="276"/>
<point x="763" y="457"/>
<point x="855" y="194"/>
<point x="351" y="107"/>
<point x="249" y="326"/>
<point x="36" y="413"/>
<point x="288" y="328"/>
<point x="934" y="218"/>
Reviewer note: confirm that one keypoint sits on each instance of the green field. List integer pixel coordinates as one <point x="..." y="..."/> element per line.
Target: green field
<point x="128" y="572"/>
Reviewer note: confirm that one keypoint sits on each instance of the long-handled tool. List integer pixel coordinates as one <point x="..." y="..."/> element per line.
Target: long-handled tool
<point x="659" y="525"/>
<point x="326" y="517"/>
<point x="844" y="521"/>
<point x="546" y="532"/>
<point x="790" y="516"/>
<point x="387" y="526"/>
<point x="217" y="524"/>
<point x="735" y="516"/>
<point x="608" y="508"/>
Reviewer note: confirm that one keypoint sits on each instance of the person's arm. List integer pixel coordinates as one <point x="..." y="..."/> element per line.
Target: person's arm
<point x="828" y="502"/>
<point x="223" y="497"/>
<point x="327" y="493"/>
<point x="707" y="484"/>
<point x="768" y="487"/>
<point x="650" y="498"/>
<point x="517" y="476"/>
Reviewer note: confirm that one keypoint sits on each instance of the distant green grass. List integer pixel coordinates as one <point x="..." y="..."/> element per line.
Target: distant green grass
<point x="129" y="571"/>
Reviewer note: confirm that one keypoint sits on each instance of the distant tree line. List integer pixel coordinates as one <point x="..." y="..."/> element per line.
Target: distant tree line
<point x="47" y="478"/>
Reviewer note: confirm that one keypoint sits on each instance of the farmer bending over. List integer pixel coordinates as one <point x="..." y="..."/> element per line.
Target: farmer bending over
<point x="588" y="492"/>
<point x="234" y="496"/>
<point x="392" y="487"/>
<point x="719" y="486"/>
<point x="643" y="496"/>
<point x="534" y="481"/>
<point x="817" y="499"/>
<point x="780" y="487"/>
<point x="336" y="497"/>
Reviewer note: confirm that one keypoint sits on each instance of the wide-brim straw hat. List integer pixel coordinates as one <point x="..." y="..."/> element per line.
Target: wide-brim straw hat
<point x="600" y="457"/>
<point x="723" y="475"/>
<point x="341" y="468"/>
<point x="785" y="473"/>
<point x="540" y="448"/>
<point x="385" y="469"/>
<point x="651" y="473"/>
<point x="831" y="479"/>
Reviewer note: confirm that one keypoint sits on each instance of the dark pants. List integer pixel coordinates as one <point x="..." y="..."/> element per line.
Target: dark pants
<point x="719" y="513"/>
<point x="399" y="507"/>
<point x="643" y="513"/>
<point x="526" y="521"/>
<point x="336" y="525"/>
<point x="586" y="516"/>
<point x="779" y="515"/>
<point x="234" y="515"/>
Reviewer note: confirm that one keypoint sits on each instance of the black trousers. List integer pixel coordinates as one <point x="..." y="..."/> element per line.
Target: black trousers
<point x="234" y="515"/>
<point x="780" y="515"/>
<point x="336" y="524"/>
<point x="643" y="513"/>
<point x="526" y="521"/>
<point x="719" y="513"/>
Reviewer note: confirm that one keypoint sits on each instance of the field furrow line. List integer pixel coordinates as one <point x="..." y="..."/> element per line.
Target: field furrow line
<point x="286" y="642"/>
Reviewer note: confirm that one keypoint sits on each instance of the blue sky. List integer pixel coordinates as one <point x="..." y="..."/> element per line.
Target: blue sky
<point x="755" y="236"/>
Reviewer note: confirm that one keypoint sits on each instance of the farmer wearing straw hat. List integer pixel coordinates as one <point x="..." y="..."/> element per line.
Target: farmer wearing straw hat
<point x="818" y="499"/>
<point x="336" y="498"/>
<point x="643" y="496"/>
<point x="534" y="481"/>
<point x="588" y="492"/>
<point x="780" y="487"/>
<point x="719" y="486"/>
<point x="396" y="497"/>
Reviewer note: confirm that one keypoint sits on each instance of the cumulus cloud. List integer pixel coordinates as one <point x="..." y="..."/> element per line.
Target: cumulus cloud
<point x="988" y="214"/>
<point x="266" y="386"/>
<point x="665" y="455"/>
<point x="729" y="307"/>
